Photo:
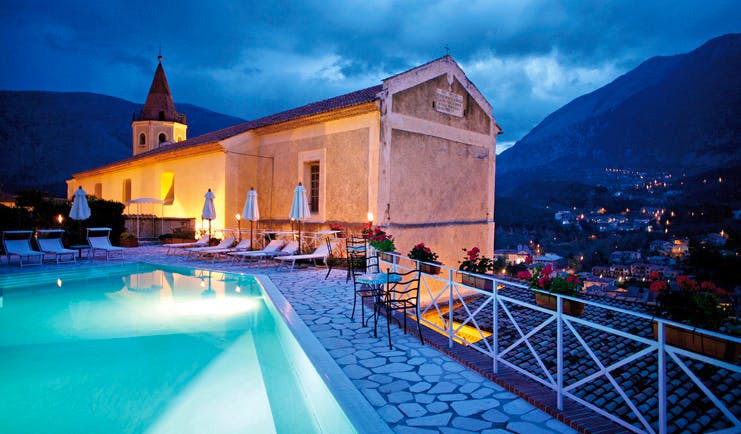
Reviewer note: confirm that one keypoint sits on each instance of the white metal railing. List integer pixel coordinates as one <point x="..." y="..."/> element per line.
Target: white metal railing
<point x="461" y="313"/>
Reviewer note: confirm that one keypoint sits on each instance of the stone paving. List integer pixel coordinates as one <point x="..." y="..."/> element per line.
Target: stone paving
<point x="414" y="388"/>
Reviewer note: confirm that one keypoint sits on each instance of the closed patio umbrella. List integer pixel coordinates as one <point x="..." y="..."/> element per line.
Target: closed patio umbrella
<point x="251" y="211"/>
<point x="80" y="209"/>
<point x="299" y="209"/>
<point x="209" y="210"/>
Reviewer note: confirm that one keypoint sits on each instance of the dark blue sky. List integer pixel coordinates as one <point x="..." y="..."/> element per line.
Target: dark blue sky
<point x="250" y="59"/>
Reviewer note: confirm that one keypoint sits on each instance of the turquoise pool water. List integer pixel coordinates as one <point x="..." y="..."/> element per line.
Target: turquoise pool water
<point x="144" y="348"/>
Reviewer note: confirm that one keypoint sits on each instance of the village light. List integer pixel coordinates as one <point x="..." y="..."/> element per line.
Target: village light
<point x="60" y="219"/>
<point x="239" y="226"/>
<point x="370" y="219"/>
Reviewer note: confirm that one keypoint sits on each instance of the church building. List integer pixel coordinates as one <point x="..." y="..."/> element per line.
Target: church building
<point x="417" y="152"/>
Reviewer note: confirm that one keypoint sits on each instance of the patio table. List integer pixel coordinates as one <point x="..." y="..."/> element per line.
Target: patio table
<point x="375" y="281"/>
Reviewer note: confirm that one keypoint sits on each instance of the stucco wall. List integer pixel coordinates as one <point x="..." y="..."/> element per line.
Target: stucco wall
<point x="193" y="176"/>
<point x="343" y="146"/>
<point x="437" y="180"/>
<point x="417" y="101"/>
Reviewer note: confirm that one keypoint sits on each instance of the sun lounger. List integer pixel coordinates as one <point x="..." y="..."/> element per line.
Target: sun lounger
<point x="272" y="249"/>
<point x="201" y="242"/>
<point x="321" y="253"/>
<point x="50" y="243"/>
<point x="18" y="243"/>
<point x="240" y="247"/>
<point x="99" y="241"/>
<point x="199" y="251"/>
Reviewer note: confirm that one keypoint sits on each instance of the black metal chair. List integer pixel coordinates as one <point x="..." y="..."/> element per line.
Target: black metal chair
<point x="363" y="290"/>
<point x="357" y="251"/>
<point x="401" y="294"/>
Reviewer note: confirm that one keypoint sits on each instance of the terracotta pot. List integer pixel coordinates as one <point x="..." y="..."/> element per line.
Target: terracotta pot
<point x="698" y="342"/>
<point x="573" y="308"/>
<point x="386" y="256"/>
<point x="477" y="281"/>
<point x="129" y="242"/>
<point x="429" y="269"/>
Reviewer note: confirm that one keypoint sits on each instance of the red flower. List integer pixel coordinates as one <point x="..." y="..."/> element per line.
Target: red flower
<point x="528" y="259"/>
<point x="686" y="283"/>
<point x="547" y="270"/>
<point x="544" y="281"/>
<point x="524" y="275"/>
<point x="658" y="286"/>
<point x="655" y="275"/>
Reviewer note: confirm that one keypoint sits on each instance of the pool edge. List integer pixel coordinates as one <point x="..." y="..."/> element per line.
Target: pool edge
<point x="361" y="413"/>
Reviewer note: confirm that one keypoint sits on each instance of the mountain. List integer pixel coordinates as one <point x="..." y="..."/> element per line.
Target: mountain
<point x="677" y="113"/>
<point x="48" y="136"/>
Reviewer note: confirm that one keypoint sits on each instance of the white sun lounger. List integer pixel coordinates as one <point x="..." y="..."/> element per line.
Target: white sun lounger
<point x="18" y="243"/>
<point x="272" y="249"/>
<point x="200" y="251"/>
<point x="321" y="253"/>
<point x="99" y="241"/>
<point x="240" y="247"/>
<point x="50" y="243"/>
<point x="201" y="242"/>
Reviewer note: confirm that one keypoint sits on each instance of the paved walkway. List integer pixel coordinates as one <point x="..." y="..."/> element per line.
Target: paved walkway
<point x="414" y="388"/>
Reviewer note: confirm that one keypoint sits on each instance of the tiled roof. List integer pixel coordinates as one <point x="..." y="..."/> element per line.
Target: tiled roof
<point x="338" y="102"/>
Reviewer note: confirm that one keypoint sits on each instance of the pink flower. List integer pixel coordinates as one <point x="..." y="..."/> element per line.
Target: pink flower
<point x="528" y="259"/>
<point x="524" y="275"/>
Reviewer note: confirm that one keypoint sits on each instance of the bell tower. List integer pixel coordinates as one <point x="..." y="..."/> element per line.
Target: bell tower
<point x="158" y="124"/>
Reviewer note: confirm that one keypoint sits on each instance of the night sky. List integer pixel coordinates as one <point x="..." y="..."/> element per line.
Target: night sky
<point x="251" y="59"/>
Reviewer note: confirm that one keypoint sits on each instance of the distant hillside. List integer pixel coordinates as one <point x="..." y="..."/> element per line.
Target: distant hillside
<point x="680" y="113"/>
<point x="48" y="136"/>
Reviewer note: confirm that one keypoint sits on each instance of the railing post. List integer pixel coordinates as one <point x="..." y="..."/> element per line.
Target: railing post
<point x="450" y="308"/>
<point x="495" y="327"/>
<point x="559" y="352"/>
<point x="661" y="360"/>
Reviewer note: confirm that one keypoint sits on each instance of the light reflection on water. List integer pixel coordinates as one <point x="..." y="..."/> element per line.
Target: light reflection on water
<point x="152" y="349"/>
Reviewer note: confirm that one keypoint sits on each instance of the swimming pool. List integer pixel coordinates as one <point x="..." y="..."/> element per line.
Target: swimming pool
<point x="145" y="348"/>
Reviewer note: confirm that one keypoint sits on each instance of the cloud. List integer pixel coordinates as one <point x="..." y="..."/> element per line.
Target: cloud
<point x="249" y="59"/>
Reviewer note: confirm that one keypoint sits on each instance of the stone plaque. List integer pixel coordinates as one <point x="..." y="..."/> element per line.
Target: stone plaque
<point x="449" y="102"/>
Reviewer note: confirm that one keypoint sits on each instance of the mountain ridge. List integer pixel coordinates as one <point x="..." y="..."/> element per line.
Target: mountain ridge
<point x="670" y="113"/>
<point x="52" y="135"/>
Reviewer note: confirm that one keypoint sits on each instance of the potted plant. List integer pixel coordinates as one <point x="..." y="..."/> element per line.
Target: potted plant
<point x="127" y="239"/>
<point x="426" y="258"/>
<point x="544" y="279"/>
<point x="383" y="243"/>
<point x="475" y="263"/>
<point x="179" y="236"/>
<point x="696" y="304"/>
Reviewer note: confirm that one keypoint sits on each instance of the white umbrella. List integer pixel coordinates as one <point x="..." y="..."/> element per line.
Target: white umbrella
<point x="138" y="203"/>
<point x="251" y="211"/>
<point x="80" y="209"/>
<point x="209" y="210"/>
<point x="299" y="209"/>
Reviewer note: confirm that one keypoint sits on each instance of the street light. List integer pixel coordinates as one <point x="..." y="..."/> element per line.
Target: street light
<point x="370" y="219"/>
<point x="239" y="226"/>
<point x="60" y="219"/>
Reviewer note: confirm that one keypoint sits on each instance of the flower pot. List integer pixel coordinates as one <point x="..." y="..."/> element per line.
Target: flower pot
<point x="698" y="342"/>
<point x="429" y="268"/>
<point x="477" y="281"/>
<point x="386" y="256"/>
<point x="129" y="242"/>
<point x="570" y="307"/>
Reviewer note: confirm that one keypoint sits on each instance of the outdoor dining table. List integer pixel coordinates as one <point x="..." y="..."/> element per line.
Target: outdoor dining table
<point x="375" y="281"/>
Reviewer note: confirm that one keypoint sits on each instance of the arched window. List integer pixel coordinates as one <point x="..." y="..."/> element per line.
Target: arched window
<point x="163" y="137"/>
<point x="142" y="139"/>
